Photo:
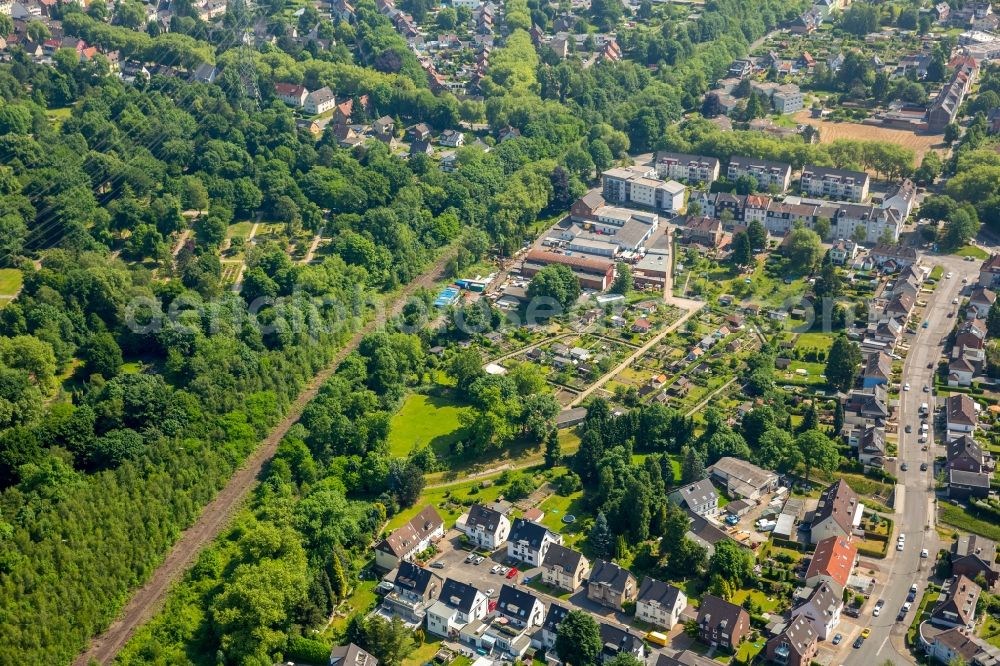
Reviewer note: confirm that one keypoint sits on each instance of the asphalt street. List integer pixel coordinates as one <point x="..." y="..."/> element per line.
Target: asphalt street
<point x="915" y="490"/>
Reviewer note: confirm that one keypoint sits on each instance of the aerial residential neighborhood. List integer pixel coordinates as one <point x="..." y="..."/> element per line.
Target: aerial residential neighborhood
<point x="499" y="332"/>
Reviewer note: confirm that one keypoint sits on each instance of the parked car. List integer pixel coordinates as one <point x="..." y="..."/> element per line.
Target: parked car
<point x="909" y="428"/>
<point x="923" y="466"/>
<point x="924" y="554"/>
<point x="495" y="568"/>
<point x="437" y="565"/>
<point x="513" y="572"/>
<point x="837" y="639"/>
<point x="479" y="560"/>
<point x="904" y="467"/>
<point x="858" y="642"/>
<point x="866" y="632"/>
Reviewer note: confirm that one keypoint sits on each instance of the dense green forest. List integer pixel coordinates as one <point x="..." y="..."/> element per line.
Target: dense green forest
<point x="136" y="381"/>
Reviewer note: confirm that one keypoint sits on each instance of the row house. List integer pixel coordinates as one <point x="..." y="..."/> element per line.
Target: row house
<point x="944" y="110"/>
<point x="767" y="173"/>
<point x="893" y="258"/>
<point x="867" y="407"/>
<point x="877" y="370"/>
<point x="961" y="413"/>
<point x="834" y="183"/>
<point x="989" y="272"/>
<point x="687" y="168"/>
<point x="980" y="301"/>
<point x="957" y="645"/>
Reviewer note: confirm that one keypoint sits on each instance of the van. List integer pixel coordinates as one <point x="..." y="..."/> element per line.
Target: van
<point x="657" y="638"/>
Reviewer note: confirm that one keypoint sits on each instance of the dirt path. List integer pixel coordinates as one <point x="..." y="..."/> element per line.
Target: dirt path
<point x="311" y="252"/>
<point x="148" y="599"/>
<point x="692" y="307"/>
<point x="181" y="240"/>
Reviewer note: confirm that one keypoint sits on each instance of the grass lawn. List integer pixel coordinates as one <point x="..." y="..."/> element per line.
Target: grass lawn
<point x="957" y="517"/>
<point x="361" y="601"/>
<point x="559" y="593"/>
<point x="747" y="650"/>
<point x="557" y="506"/>
<point x="972" y="251"/>
<point x="239" y="230"/>
<point x="937" y="272"/>
<point x="820" y="341"/>
<point x="424" y="653"/>
<point x="10" y="281"/>
<point x="990" y="630"/>
<point x="451" y="500"/>
<point x="425" y="420"/>
<point x="766" y="605"/>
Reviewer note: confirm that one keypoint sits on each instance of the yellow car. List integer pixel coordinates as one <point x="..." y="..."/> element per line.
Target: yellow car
<point x="866" y="632"/>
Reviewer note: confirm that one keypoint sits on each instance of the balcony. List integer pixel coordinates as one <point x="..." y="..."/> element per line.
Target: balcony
<point x="782" y="653"/>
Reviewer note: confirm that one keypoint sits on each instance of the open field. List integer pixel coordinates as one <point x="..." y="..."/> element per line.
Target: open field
<point x="973" y="251"/>
<point x="425" y="420"/>
<point x="830" y="131"/>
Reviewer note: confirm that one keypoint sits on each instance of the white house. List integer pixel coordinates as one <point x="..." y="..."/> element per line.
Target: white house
<point x="699" y="497"/>
<point x="521" y="608"/>
<point x="319" y="101"/>
<point x="484" y="527"/>
<point x="458" y="604"/>
<point x="529" y="542"/>
<point x="659" y="603"/>
<point x="822" y="609"/>
<point x="409" y="539"/>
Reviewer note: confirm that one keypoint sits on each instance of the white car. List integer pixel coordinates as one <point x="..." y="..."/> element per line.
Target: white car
<point x="949" y="275"/>
<point x="954" y="301"/>
<point x="490" y="592"/>
<point x="495" y="568"/>
<point x="906" y="387"/>
<point x="900" y="545"/>
<point x="878" y="609"/>
<point x="924" y="554"/>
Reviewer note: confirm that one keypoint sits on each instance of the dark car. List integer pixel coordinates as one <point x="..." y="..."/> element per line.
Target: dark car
<point x="852" y="612"/>
<point x="837" y="639"/>
<point x="858" y="642"/>
<point x="923" y="467"/>
<point x="901" y="616"/>
<point x="911" y="597"/>
<point x="930" y="366"/>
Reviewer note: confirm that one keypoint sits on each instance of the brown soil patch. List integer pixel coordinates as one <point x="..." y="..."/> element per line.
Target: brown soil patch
<point x="830" y="131"/>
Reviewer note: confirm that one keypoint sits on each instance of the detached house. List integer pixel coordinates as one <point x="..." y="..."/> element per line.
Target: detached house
<point x="458" y="604"/>
<point x="659" y="603"/>
<point x="980" y="302"/>
<point x="822" y="609"/>
<point x="838" y="512"/>
<point x="550" y="626"/>
<point x="529" y="542"/>
<point x="989" y="272"/>
<point x="351" y="655"/>
<point x="610" y="585"/>
<point x="796" y="645"/>
<point x="699" y="497"/>
<point x="969" y="468"/>
<point x="973" y="556"/>
<point x="409" y="539"/>
<point x="484" y="527"/>
<point x="957" y="605"/>
<point x="722" y="624"/>
<point x="452" y="139"/>
<point x="564" y="568"/>
<point x="413" y="590"/>
<point x="832" y="563"/>
<point x="616" y="640"/>
<point x="522" y="609"/>
<point x="743" y="479"/>
<point x="960" y="411"/>
<point x="319" y="101"/>
<point x="291" y="94"/>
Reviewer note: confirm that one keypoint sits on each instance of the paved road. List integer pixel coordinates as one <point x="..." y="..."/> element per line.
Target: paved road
<point x="146" y="601"/>
<point x="915" y="490"/>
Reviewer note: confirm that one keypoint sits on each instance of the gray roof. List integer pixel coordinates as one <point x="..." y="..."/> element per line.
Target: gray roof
<point x="555" y="615"/>
<point x="412" y="578"/>
<point x="351" y="655"/>
<point x="823" y="172"/>
<point x="458" y="595"/>
<point x="481" y="516"/>
<point x="515" y="604"/>
<point x="565" y="558"/>
<point x="684" y="658"/>
<point x="653" y="590"/>
<point x="698" y="492"/>
<point x="959" y="477"/>
<point x="531" y="533"/>
<point x="610" y="574"/>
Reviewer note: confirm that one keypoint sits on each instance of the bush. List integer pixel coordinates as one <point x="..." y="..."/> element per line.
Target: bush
<point x="307" y="650"/>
